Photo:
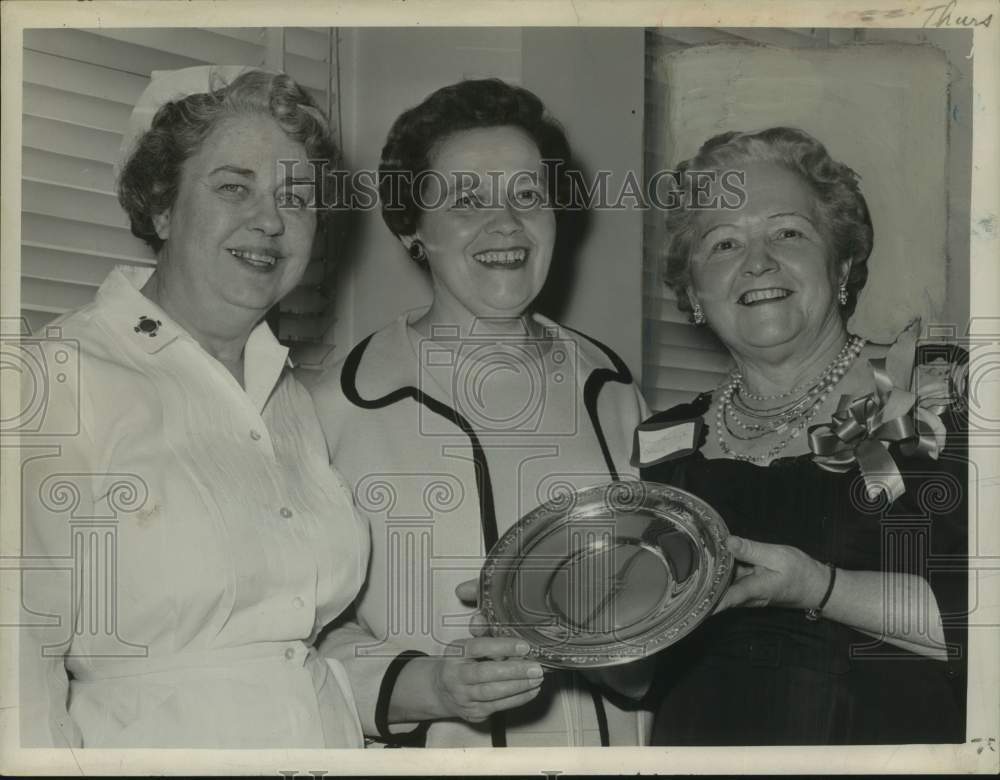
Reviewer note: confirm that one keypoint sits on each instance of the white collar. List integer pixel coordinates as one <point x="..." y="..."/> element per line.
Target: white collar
<point x="147" y="326"/>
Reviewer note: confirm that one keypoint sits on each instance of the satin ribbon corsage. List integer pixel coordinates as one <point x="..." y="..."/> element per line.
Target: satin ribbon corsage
<point x="863" y="428"/>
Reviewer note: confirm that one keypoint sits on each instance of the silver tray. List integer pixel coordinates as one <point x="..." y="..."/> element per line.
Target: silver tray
<point x="607" y="575"/>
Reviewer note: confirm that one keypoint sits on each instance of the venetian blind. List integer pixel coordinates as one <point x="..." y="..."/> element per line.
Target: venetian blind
<point x="679" y="358"/>
<point x="79" y="89"/>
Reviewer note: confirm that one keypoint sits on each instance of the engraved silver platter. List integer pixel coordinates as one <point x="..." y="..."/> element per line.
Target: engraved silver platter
<point x="607" y="575"/>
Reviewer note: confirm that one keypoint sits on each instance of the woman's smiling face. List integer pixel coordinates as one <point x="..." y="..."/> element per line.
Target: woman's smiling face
<point x="240" y="233"/>
<point x="764" y="274"/>
<point x="489" y="247"/>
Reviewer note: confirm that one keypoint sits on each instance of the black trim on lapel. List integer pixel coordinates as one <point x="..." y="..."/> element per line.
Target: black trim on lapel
<point x="484" y="485"/>
<point x="592" y="390"/>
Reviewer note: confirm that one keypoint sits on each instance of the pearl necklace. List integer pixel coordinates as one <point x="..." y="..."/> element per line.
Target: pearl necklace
<point x="806" y="385"/>
<point x="798" y="415"/>
<point x="768" y="421"/>
<point x="744" y="392"/>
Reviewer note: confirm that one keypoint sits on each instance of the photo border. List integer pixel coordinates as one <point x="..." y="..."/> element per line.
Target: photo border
<point x="983" y="708"/>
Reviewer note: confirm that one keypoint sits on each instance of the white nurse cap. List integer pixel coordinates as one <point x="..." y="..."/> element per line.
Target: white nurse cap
<point x="165" y="86"/>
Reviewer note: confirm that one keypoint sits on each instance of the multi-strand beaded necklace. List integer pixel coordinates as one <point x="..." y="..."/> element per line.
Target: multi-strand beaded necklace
<point x="741" y="422"/>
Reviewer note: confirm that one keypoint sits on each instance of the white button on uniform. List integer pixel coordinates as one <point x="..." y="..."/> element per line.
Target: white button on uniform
<point x="289" y="653"/>
<point x="255" y="435"/>
<point x="285" y="512"/>
<point x="298" y="602"/>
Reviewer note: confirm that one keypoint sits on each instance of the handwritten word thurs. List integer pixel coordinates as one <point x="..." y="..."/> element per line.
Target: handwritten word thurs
<point x="941" y="16"/>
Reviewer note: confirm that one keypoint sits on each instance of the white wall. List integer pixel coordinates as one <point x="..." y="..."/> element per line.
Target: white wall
<point x="383" y="72"/>
<point x="592" y="82"/>
<point x="957" y="47"/>
<point x="891" y="129"/>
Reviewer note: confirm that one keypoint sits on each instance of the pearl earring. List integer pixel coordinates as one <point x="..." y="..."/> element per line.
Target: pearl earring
<point x="417" y="252"/>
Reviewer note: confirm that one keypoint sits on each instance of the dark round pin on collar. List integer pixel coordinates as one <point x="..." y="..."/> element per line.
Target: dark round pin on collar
<point x="148" y="326"/>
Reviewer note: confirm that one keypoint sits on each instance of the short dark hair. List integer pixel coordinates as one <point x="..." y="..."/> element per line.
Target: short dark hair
<point x="843" y="211"/>
<point x="149" y="180"/>
<point x="466" y="105"/>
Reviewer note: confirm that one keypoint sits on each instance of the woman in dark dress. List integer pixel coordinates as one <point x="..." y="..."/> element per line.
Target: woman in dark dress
<point x="838" y="466"/>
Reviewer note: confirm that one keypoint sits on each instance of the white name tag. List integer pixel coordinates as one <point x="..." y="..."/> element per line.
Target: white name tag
<point x="655" y="445"/>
